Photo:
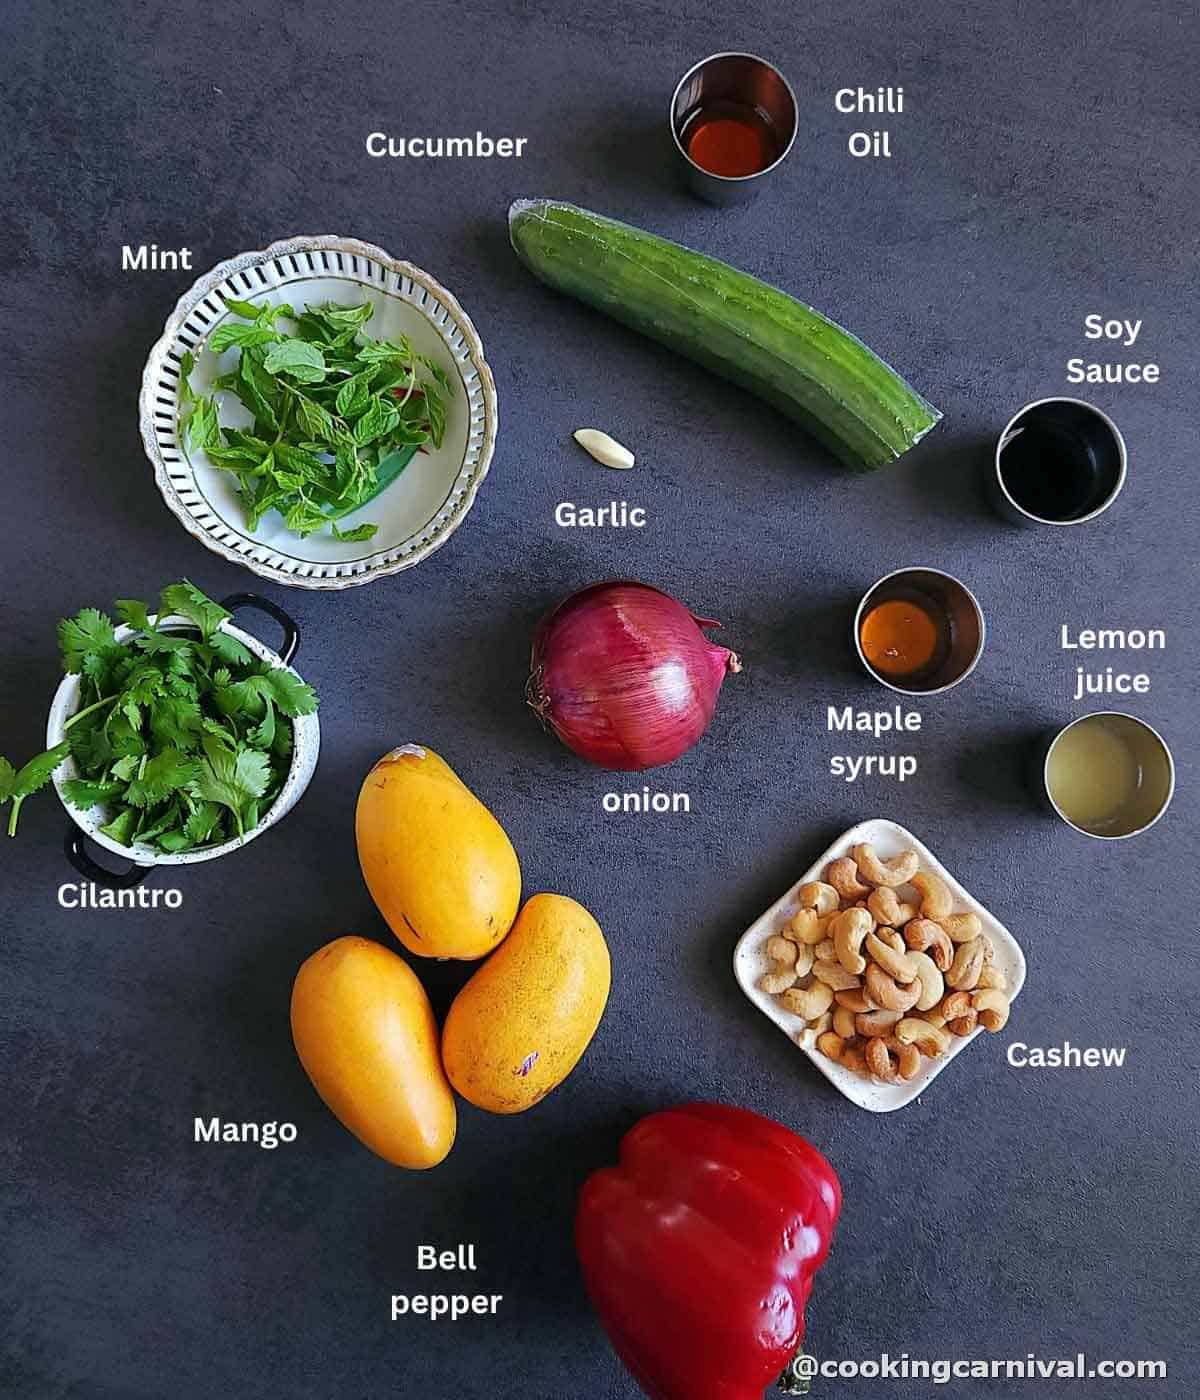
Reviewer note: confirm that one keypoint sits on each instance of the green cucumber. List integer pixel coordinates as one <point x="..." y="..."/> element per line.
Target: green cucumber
<point x="757" y="336"/>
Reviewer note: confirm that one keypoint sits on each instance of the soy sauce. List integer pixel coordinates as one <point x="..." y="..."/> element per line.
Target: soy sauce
<point x="730" y="138"/>
<point x="1050" y="471"/>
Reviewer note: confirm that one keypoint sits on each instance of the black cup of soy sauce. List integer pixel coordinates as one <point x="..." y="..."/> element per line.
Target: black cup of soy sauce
<point x="1058" y="462"/>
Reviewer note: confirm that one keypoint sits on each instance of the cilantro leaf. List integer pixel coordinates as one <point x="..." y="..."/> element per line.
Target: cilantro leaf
<point x="8" y="779"/>
<point x="201" y="821"/>
<point x="85" y="794"/>
<point x="133" y="613"/>
<point x="234" y="781"/>
<point x="186" y="600"/>
<point x="28" y="780"/>
<point x="160" y="776"/>
<point x="228" y="649"/>
<point x="122" y="826"/>
<point x="289" y="692"/>
<point x="89" y="633"/>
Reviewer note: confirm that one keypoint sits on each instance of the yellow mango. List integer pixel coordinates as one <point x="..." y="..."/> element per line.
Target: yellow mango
<point x="367" y="1038"/>
<point x="439" y="866"/>
<point x="521" y="1024"/>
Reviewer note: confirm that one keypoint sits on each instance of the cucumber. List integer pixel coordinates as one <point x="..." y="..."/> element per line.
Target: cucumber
<point x="759" y="337"/>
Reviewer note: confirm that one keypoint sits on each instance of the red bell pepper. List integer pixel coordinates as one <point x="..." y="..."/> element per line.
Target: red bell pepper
<point x="699" y="1249"/>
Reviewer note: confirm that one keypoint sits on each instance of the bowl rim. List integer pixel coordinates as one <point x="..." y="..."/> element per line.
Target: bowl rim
<point x="305" y="747"/>
<point x="208" y="282"/>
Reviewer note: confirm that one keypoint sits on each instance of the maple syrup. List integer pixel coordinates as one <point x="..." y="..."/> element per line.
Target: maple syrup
<point x="730" y="139"/>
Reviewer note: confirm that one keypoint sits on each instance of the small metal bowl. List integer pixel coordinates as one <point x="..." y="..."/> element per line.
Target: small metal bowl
<point x="1156" y="771"/>
<point x="748" y="81"/>
<point x="967" y="629"/>
<point x="1082" y="431"/>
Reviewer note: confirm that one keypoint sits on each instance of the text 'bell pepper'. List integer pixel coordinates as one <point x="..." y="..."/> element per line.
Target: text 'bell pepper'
<point x="699" y="1249"/>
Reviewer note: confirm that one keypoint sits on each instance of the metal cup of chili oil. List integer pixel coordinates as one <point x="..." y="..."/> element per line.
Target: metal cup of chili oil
<point x="733" y="118"/>
<point x="919" y="631"/>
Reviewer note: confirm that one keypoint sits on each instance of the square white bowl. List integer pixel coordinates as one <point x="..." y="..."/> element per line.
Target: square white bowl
<point x="750" y="962"/>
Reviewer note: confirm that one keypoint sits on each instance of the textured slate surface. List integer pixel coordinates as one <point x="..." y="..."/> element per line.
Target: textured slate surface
<point x="1045" y="170"/>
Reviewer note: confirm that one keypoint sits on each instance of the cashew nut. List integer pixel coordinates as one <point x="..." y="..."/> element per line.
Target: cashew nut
<point x="825" y="951"/>
<point x="961" y="927"/>
<point x="954" y="1005"/>
<point x="869" y="1023"/>
<point x="843" y="1022"/>
<point x="848" y="929"/>
<point x="932" y="985"/>
<point x="854" y="999"/>
<point x="831" y="1044"/>
<point x="854" y="1060"/>
<point x="818" y="896"/>
<point x="923" y="935"/>
<point x="909" y="1057"/>
<point x="901" y="966"/>
<point x="842" y="874"/>
<point x="879" y="1062"/>
<point x="814" y="1030"/>
<point x="936" y="899"/>
<point x="890" y="937"/>
<point x="934" y="1017"/>
<point x="834" y="976"/>
<point x="992" y="1008"/>
<point x="779" y="979"/>
<point x="884" y="992"/>
<point x="963" y="1025"/>
<point x="805" y="926"/>
<point x="888" y="908"/>
<point x="808" y="1002"/>
<point x="990" y="976"/>
<point x="929" y="1039"/>
<point x="782" y="950"/>
<point x="967" y="965"/>
<point x="885" y="872"/>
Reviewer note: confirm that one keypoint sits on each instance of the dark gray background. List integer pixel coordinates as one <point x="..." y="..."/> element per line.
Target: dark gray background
<point x="1045" y="169"/>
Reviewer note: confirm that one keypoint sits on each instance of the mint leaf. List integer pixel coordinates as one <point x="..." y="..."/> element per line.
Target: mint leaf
<point x="354" y="396"/>
<point x="360" y="532"/>
<point x="380" y="418"/>
<point x="314" y="420"/>
<point x="186" y="600"/>
<point x="203" y="427"/>
<point x="304" y="362"/>
<point x="235" y="333"/>
<point x="245" y="309"/>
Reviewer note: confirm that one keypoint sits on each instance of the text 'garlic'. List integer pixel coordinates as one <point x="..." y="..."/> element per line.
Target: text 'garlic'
<point x="606" y="450"/>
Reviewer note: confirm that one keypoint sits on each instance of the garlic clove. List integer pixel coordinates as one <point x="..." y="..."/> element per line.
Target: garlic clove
<point x="606" y="450"/>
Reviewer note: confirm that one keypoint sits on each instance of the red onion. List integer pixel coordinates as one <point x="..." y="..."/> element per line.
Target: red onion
<point x="624" y="675"/>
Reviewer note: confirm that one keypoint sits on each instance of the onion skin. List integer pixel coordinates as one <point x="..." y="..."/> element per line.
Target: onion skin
<point x="624" y="675"/>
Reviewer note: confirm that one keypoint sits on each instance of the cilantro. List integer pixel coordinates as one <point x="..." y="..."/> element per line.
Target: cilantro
<point x="189" y="738"/>
<point x="329" y="404"/>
